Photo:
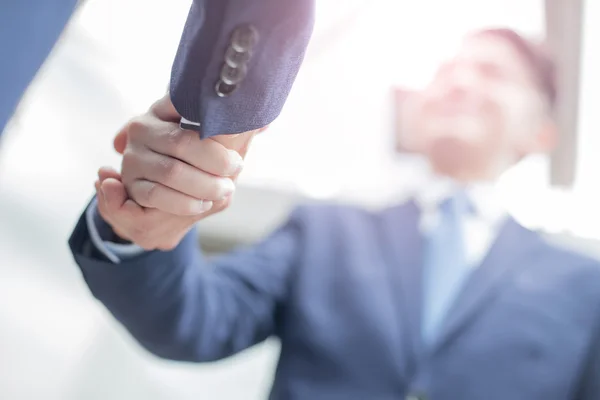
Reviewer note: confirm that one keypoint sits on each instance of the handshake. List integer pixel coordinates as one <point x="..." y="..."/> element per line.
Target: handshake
<point x="169" y="180"/>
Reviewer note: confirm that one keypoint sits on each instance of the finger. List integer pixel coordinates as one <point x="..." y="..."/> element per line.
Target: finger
<point x="108" y="172"/>
<point x="176" y="175"/>
<point x="245" y="145"/>
<point x="157" y="196"/>
<point x="120" y="140"/>
<point x="118" y="204"/>
<point x="101" y="202"/>
<point x="165" y="110"/>
<point x="239" y="142"/>
<point x="208" y="155"/>
<point x="114" y="194"/>
<point x="222" y="204"/>
<point x="106" y="215"/>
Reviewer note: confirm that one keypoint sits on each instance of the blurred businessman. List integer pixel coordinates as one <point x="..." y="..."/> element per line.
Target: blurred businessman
<point x="218" y="82"/>
<point x="442" y="297"/>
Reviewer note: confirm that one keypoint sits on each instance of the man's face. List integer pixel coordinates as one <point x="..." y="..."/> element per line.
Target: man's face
<point x="481" y="112"/>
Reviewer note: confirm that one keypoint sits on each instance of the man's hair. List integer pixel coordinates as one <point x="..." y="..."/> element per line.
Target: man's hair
<point x="535" y="55"/>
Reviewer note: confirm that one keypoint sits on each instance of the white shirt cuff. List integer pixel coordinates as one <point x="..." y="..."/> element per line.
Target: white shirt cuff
<point x="115" y="252"/>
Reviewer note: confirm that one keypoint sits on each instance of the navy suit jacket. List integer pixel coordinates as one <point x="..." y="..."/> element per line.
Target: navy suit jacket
<point x="341" y="288"/>
<point x="234" y="68"/>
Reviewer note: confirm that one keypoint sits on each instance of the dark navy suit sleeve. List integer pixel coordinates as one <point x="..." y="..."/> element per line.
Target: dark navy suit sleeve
<point x="237" y="61"/>
<point x="180" y="306"/>
<point x="28" y="31"/>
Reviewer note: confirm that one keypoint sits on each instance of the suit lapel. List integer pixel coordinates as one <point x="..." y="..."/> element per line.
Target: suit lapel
<point x="403" y="245"/>
<point x="508" y="253"/>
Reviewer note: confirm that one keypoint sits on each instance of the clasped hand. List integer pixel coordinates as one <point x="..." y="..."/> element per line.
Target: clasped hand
<point x="169" y="180"/>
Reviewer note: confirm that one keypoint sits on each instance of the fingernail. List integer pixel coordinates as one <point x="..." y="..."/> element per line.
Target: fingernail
<point x="202" y="206"/>
<point x="236" y="161"/>
<point x="227" y="187"/>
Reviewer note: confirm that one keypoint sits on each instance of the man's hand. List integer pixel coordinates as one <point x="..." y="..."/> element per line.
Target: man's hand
<point x="148" y="228"/>
<point x="170" y="178"/>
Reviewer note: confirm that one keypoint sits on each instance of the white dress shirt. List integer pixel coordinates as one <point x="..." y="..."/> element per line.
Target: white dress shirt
<point x="480" y="228"/>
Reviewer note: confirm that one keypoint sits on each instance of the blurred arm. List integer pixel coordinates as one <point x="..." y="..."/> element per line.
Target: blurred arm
<point x="180" y="306"/>
<point x="28" y="32"/>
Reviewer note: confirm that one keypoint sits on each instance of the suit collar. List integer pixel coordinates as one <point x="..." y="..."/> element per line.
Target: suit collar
<point x="404" y="247"/>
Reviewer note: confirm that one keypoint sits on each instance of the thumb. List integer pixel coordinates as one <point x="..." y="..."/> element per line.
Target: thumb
<point x="108" y="172"/>
<point x="238" y="142"/>
<point x="114" y="193"/>
<point x="165" y="110"/>
<point x="120" y="141"/>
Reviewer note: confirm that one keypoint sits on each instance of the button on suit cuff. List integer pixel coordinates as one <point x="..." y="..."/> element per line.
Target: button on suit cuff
<point x="101" y="234"/>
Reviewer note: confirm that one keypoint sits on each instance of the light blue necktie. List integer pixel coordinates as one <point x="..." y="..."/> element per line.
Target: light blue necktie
<point x="445" y="265"/>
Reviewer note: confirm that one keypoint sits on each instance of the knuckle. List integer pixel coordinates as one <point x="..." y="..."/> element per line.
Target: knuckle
<point x="150" y="192"/>
<point x="130" y="160"/>
<point x="136" y="127"/>
<point x="178" y="141"/>
<point x="169" y="169"/>
<point x="147" y="193"/>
